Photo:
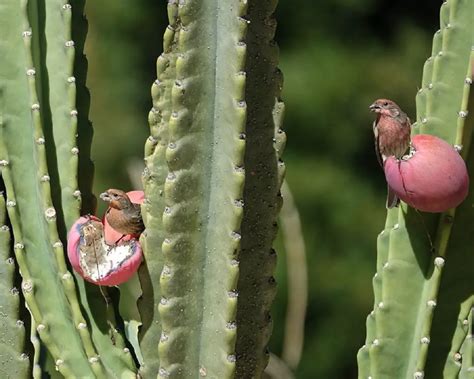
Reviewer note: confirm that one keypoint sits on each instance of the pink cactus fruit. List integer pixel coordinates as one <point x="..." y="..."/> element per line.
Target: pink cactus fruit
<point x="111" y="236"/>
<point x="96" y="261"/>
<point x="433" y="178"/>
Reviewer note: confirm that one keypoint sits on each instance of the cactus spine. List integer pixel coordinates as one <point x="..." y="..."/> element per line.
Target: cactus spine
<point x="403" y="339"/>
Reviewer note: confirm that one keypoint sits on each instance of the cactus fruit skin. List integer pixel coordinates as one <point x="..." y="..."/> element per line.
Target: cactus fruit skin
<point x="197" y="162"/>
<point x="433" y="178"/>
<point x="14" y="356"/>
<point x="406" y="341"/>
<point x="88" y="253"/>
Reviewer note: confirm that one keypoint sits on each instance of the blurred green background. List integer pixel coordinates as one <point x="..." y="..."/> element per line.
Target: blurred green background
<point x="337" y="56"/>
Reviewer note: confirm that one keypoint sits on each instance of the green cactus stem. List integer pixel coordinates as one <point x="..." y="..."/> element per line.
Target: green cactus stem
<point x="383" y="243"/>
<point x="33" y="219"/>
<point x="14" y="350"/>
<point x="210" y="132"/>
<point x="154" y="177"/>
<point x="35" y="341"/>
<point x="65" y="123"/>
<point x="467" y="347"/>
<point x="264" y="173"/>
<point x="39" y="127"/>
<point x="460" y="352"/>
<point x="406" y="290"/>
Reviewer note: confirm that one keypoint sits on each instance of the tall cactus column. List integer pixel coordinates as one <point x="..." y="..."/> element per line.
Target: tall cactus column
<point x="37" y="246"/>
<point x="264" y="174"/>
<point x="40" y="127"/>
<point x="416" y="326"/>
<point x="211" y="163"/>
<point x="14" y="354"/>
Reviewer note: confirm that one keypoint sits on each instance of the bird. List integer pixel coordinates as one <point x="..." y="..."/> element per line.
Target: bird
<point x="122" y="215"/>
<point x="392" y="129"/>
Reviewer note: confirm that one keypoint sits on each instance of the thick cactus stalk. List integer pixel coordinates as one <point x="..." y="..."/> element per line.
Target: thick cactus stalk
<point x="262" y="198"/>
<point x="210" y="132"/>
<point x="65" y="128"/>
<point x="466" y="350"/>
<point x="154" y="177"/>
<point x="460" y="355"/>
<point x="402" y="337"/>
<point x="33" y="219"/>
<point x="40" y="155"/>
<point x="14" y="354"/>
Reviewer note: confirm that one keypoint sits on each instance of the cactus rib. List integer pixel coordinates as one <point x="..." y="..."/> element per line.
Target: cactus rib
<point x="154" y="177"/>
<point x="383" y="242"/>
<point x="403" y="319"/>
<point x="64" y="128"/>
<point x="45" y="268"/>
<point x="262" y="197"/>
<point x="202" y="190"/>
<point x="459" y="353"/>
<point x="14" y="357"/>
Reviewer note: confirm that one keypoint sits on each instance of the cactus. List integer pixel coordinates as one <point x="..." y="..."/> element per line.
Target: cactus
<point x="200" y="304"/>
<point x="13" y="345"/>
<point x="408" y="333"/>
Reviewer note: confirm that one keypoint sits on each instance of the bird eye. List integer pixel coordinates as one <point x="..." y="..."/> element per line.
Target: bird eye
<point x="385" y="103"/>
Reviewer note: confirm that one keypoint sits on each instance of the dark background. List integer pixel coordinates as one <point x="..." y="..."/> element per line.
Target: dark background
<point x="337" y="57"/>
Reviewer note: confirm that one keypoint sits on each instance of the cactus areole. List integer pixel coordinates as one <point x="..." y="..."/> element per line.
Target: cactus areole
<point x="432" y="178"/>
<point x="95" y="260"/>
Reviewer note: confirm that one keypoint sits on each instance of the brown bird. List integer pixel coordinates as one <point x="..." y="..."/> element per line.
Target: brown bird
<point x="122" y="215"/>
<point x="392" y="129"/>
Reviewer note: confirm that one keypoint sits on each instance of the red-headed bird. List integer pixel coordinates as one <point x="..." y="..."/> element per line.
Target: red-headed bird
<point x="392" y="129"/>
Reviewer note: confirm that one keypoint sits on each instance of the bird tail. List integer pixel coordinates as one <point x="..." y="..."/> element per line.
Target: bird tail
<point x="392" y="198"/>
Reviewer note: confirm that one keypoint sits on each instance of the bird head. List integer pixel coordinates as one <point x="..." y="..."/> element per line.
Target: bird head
<point x="116" y="198"/>
<point x="385" y="107"/>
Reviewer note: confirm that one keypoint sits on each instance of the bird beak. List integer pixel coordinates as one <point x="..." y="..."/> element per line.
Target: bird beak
<point x="105" y="196"/>
<point x="374" y="107"/>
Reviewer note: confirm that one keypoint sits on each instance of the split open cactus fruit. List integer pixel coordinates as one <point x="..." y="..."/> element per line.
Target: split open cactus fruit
<point x="95" y="260"/>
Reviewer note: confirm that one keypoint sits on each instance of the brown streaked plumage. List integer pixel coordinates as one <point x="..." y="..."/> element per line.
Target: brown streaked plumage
<point x="122" y="215"/>
<point x="392" y="129"/>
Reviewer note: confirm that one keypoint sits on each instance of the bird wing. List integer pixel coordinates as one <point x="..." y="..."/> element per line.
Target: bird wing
<point x="376" y="139"/>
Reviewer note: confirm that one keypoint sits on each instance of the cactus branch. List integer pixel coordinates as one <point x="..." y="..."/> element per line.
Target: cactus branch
<point x="403" y="318"/>
<point x="14" y="350"/>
